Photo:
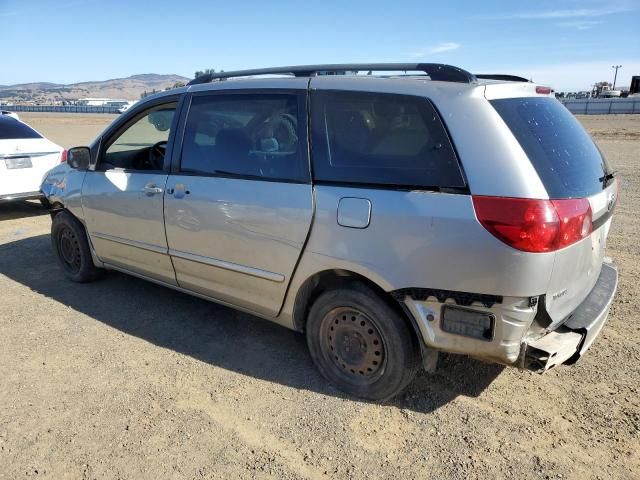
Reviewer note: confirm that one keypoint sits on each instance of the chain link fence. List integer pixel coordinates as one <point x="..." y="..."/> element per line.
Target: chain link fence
<point x="60" y="108"/>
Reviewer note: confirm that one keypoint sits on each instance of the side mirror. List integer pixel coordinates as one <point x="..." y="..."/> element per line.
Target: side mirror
<point x="79" y="158"/>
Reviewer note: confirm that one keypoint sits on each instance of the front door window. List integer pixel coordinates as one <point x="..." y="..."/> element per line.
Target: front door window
<point x="142" y="145"/>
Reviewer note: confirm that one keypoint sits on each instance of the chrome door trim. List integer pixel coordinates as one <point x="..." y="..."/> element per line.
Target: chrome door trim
<point x="131" y="243"/>
<point x="234" y="267"/>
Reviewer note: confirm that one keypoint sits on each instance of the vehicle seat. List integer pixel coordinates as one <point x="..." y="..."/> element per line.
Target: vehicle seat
<point x="232" y="149"/>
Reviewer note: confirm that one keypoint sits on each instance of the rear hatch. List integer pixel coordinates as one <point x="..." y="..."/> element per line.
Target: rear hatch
<point x="570" y="166"/>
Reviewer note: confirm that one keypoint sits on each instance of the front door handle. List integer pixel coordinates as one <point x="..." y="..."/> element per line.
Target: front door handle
<point x="152" y="190"/>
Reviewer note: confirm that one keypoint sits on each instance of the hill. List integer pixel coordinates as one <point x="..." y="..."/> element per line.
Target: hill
<point x="129" y="88"/>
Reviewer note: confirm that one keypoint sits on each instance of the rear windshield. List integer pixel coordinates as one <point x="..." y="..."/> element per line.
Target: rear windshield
<point x="562" y="152"/>
<point x="10" y="129"/>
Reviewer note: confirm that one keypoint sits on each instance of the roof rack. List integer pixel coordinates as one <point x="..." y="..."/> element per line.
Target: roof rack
<point x="500" y="76"/>
<point x="436" y="71"/>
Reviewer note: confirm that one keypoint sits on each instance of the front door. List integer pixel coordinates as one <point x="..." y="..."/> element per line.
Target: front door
<point x="238" y="207"/>
<point x="122" y="197"/>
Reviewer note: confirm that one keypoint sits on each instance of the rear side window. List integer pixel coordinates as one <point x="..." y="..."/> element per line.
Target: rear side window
<point x="10" y="128"/>
<point x="246" y="135"/>
<point x="563" y="154"/>
<point x="383" y="139"/>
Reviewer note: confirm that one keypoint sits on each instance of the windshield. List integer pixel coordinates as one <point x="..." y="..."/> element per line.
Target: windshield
<point x="562" y="152"/>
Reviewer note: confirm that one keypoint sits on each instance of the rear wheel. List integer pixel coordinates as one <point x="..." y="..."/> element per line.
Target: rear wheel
<point x="70" y="243"/>
<point x="360" y="344"/>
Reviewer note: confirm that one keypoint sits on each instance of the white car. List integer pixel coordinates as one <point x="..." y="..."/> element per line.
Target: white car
<point x="25" y="157"/>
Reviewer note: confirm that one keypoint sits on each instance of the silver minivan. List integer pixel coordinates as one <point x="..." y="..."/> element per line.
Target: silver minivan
<point x="388" y="216"/>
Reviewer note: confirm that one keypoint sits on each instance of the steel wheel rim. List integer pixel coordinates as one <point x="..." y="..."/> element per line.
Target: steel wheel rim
<point x="69" y="249"/>
<point x="353" y="344"/>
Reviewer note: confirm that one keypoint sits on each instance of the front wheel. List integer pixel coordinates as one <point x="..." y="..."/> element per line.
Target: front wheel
<point x="71" y="246"/>
<point x="360" y="344"/>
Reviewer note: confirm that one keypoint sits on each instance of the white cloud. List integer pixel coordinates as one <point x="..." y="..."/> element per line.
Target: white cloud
<point x="560" y="13"/>
<point x="579" y="24"/>
<point x="435" y="49"/>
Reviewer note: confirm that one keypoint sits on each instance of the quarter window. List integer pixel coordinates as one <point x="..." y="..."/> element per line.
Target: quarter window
<point x="245" y="135"/>
<point x="376" y="138"/>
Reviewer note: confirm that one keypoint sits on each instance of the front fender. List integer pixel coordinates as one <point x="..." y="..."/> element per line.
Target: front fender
<point x="62" y="187"/>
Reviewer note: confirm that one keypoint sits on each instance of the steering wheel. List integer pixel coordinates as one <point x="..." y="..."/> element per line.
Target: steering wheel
<point x="156" y="155"/>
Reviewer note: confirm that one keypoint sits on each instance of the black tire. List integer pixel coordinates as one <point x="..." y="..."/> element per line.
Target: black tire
<point x="69" y="241"/>
<point x="45" y="203"/>
<point x="360" y="344"/>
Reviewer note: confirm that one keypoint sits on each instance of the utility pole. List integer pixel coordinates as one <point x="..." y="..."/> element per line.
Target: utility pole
<point x="615" y="77"/>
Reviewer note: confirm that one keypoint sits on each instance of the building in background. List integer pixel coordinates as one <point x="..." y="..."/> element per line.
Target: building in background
<point x="102" y="102"/>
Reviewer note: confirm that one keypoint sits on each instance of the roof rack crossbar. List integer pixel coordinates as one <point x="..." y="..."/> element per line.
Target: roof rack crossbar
<point x="436" y="71"/>
<point x="501" y="76"/>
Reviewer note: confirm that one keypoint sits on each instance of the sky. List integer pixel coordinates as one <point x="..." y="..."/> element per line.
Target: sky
<point x="567" y="44"/>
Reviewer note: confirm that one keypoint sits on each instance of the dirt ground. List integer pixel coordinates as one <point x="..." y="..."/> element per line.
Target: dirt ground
<point x="68" y="129"/>
<point x="125" y="379"/>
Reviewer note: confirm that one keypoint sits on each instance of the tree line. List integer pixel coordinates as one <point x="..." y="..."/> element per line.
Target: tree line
<point x="198" y="73"/>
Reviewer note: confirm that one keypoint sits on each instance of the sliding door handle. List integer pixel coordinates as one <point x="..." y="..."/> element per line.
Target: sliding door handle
<point x="179" y="191"/>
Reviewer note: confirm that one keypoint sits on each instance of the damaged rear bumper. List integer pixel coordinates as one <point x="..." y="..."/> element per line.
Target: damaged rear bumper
<point x="569" y="342"/>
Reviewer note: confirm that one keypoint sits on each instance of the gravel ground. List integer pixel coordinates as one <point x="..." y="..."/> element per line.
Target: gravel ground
<point x="125" y="379"/>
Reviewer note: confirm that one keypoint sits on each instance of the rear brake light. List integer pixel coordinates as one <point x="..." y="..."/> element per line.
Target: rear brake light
<point x="544" y="90"/>
<point x="63" y="156"/>
<point x="535" y="225"/>
<point x="575" y="220"/>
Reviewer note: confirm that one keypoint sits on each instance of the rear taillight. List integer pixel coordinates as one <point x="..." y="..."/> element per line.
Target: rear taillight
<point x="544" y="90"/>
<point x="575" y="221"/>
<point x="535" y="225"/>
<point x="63" y="156"/>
